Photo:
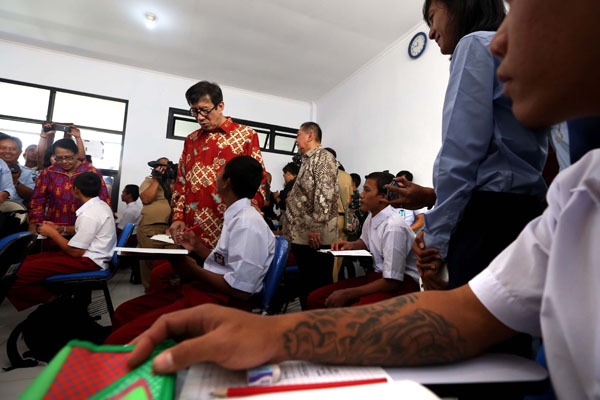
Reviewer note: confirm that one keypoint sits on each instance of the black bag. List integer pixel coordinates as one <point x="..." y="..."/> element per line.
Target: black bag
<point x="48" y="329"/>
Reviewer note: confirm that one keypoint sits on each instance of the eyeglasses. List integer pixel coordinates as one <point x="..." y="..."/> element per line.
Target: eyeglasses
<point x="63" y="158"/>
<point x="198" y="111"/>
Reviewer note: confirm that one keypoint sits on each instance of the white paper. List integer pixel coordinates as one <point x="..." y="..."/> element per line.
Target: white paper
<point x="163" y="238"/>
<point x="349" y="253"/>
<point x="146" y="250"/>
<point x="205" y="378"/>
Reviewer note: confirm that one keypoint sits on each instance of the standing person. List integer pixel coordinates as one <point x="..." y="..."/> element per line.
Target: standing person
<point x="488" y="173"/>
<point x="196" y="202"/>
<point x="53" y="198"/>
<point x="389" y="238"/>
<point x="311" y="213"/>
<point x="90" y="248"/>
<point x="156" y="212"/>
<point x="23" y="177"/>
<point x="31" y="156"/>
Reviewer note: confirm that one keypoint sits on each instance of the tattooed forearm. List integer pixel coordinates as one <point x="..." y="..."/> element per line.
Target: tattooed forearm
<point x="399" y="332"/>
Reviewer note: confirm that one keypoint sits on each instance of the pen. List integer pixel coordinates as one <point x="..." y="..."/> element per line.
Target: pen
<point x="253" y="390"/>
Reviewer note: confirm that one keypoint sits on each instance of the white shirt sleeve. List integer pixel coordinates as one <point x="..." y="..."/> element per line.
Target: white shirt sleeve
<point x="396" y="247"/>
<point x="86" y="229"/>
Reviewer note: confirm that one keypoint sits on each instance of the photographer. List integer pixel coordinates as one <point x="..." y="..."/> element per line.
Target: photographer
<point x="22" y="177"/>
<point x="47" y="139"/>
<point x="155" y="193"/>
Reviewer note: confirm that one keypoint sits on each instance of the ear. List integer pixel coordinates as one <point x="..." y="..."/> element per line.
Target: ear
<point x="221" y="107"/>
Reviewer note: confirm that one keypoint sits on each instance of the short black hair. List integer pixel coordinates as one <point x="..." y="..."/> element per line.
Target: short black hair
<point x="204" y="88"/>
<point x="315" y="128"/>
<point x="88" y="183"/>
<point x="332" y="151"/>
<point x="355" y="179"/>
<point x="66" y="144"/>
<point x="470" y="16"/>
<point x="4" y="136"/>
<point x="245" y="175"/>
<point x="133" y="190"/>
<point x="407" y="174"/>
<point x="381" y="179"/>
<point x="292" y="168"/>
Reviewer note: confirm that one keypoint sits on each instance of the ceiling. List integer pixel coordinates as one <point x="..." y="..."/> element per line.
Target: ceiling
<point x="298" y="49"/>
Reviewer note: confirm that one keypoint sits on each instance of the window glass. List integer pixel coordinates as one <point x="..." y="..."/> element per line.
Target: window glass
<point x="27" y="132"/>
<point x="89" y="111"/>
<point x="23" y="101"/>
<point x="284" y="143"/>
<point x="104" y="148"/>
<point x="184" y="127"/>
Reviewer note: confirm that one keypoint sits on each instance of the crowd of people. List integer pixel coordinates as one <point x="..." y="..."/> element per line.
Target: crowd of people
<point x="495" y="250"/>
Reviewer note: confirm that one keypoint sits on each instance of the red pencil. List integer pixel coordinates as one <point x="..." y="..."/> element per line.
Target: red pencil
<point x="253" y="390"/>
<point x="193" y="227"/>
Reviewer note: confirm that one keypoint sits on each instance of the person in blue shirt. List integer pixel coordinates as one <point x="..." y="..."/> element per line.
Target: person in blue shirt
<point x="7" y="189"/>
<point x="23" y="179"/>
<point x="487" y="175"/>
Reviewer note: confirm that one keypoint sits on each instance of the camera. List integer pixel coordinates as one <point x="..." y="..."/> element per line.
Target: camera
<point x="391" y="195"/>
<point x="170" y="171"/>
<point x="57" y="127"/>
<point x="14" y="168"/>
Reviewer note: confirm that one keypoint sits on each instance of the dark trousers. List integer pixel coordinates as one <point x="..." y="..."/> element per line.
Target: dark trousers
<point x="490" y="223"/>
<point x="315" y="269"/>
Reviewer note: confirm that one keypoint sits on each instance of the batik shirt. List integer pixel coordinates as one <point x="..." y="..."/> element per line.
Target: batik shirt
<point x="54" y="190"/>
<point x="195" y="198"/>
<point x="313" y="201"/>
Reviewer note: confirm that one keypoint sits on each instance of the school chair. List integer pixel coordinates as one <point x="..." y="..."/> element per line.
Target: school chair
<point x="272" y="279"/>
<point x="83" y="283"/>
<point x="13" y="250"/>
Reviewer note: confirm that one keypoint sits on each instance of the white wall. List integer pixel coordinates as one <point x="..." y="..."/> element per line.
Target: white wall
<point x="388" y="114"/>
<point x="150" y="95"/>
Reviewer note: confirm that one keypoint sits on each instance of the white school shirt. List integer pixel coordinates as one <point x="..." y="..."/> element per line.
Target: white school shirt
<point x="131" y="214"/>
<point x="547" y="281"/>
<point x="95" y="231"/>
<point x="410" y="215"/>
<point x="389" y="238"/>
<point x="244" y="250"/>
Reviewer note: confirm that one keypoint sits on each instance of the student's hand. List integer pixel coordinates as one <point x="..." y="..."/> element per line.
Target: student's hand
<point x="410" y="195"/>
<point x="432" y="277"/>
<point x="339" y="298"/>
<point x="48" y="230"/>
<point x="341" y="245"/>
<point x="314" y="240"/>
<point x="176" y="230"/>
<point x="189" y="240"/>
<point x="231" y="338"/>
<point x="424" y="255"/>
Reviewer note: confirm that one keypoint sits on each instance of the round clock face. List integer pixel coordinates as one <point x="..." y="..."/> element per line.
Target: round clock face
<point x="417" y="45"/>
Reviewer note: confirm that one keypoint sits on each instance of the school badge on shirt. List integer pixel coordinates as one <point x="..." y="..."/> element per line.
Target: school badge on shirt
<point x="219" y="259"/>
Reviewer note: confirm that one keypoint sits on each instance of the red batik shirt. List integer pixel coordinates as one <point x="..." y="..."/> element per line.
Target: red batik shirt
<point x="195" y="198"/>
<point x="54" y="191"/>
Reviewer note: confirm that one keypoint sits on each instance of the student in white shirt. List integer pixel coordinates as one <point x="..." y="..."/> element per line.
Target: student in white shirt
<point x="232" y="271"/>
<point x="389" y="238"/>
<point x="133" y="211"/>
<point x="545" y="281"/>
<point x="89" y="249"/>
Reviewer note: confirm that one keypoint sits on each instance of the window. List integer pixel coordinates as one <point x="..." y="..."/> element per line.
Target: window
<point x="24" y="107"/>
<point x="272" y="138"/>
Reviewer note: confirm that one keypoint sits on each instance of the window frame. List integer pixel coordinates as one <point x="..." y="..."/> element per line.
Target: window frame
<point x="272" y="131"/>
<point x="116" y="174"/>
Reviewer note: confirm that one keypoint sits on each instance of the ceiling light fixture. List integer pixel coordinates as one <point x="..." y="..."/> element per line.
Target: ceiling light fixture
<point x="150" y="20"/>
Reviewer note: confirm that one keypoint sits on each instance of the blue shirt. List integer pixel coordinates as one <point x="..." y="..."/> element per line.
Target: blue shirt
<point x="484" y="147"/>
<point x="6" y="182"/>
<point x="26" y="178"/>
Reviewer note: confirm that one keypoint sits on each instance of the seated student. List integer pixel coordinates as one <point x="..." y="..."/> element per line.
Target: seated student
<point x="133" y="211"/>
<point x="232" y="271"/>
<point x="389" y="238"/>
<point x="89" y="249"/>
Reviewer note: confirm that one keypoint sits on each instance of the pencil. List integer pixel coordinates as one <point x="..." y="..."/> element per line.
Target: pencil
<point x="254" y="390"/>
<point x="193" y="227"/>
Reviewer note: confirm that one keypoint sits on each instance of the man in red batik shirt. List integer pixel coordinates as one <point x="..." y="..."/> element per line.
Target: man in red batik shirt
<point x="219" y="139"/>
